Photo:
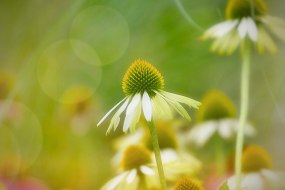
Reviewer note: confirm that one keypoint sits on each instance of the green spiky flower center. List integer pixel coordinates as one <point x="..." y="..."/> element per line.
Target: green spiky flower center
<point x="245" y="8"/>
<point x="255" y="158"/>
<point x="135" y="156"/>
<point x="215" y="105"/>
<point x="186" y="183"/>
<point x="165" y="134"/>
<point x="142" y="77"/>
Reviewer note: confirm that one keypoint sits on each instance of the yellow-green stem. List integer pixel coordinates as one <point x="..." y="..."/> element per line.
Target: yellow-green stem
<point x="245" y="72"/>
<point x="157" y="154"/>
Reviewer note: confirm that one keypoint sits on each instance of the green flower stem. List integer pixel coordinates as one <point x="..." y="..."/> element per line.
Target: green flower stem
<point x="157" y="154"/>
<point x="245" y="72"/>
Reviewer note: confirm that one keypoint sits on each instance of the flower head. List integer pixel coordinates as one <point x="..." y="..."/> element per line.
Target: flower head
<point x="136" y="164"/>
<point x="257" y="173"/>
<point x="142" y="77"/>
<point x="216" y="115"/>
<point x="187" y="183"/>
<point x="143" y="85"/>
<point x="246" y="19"/>
<point x="255" y="158"/>
<point x="135" y="156"/>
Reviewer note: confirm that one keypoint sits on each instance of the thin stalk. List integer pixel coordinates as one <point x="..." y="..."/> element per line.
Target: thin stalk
<point x="245" y="72"/>
<point x="157" y="154"/>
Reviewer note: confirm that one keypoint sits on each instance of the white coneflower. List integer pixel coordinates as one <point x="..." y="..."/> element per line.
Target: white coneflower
<point x="138" y="170"/>
<point x="246" y="19"/>
<point x="257" y="173"/>
<point x="142" y="85"/>
<point x="188" y="183"/>
<point x="217" y="115"/>
<point x="176" y="160"/>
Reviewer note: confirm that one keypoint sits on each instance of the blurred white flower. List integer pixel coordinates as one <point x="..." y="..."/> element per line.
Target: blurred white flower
<point x="177" y="163"/>
<point x="262" y="180"/>
<point x="246" y="20"/>
<point x="137" y="167"/>
<point x="225" y="128"/>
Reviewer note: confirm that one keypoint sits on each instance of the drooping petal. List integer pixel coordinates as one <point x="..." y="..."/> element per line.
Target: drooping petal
<point x="249" y="130"/>
<point x="116" y="118"/>
<point x="161" y="109"/>
<point x="183" y="99"/>
<point x="252" y="181"/>
<point x="252" y="30"/>
<point x="226" y="28"/>
<point x="242" y="28"/>
<point x="265" y="42"/>
<point x="147" y="170"/>
<point x="235" y="41"/>
<point x="130" y="113"/>
<point x="136" y="118"/>
<point x="146" y="106"/>
<point x="226" y="128"/>
<point x="176" y="106"/>
<point x="220" y="29"/>
<point x="201" y="133"/>
<point x="274" y="178"/>
<point x="131" y="176"/>
<point x="177" y="163"/>
<point x="275" y="25"/>
<point x="110" y="111"/>
<point x="113" y="183"/>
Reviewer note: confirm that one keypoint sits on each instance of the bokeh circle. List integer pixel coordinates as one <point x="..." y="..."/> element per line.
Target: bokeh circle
<point x="103" y="28"/>
<point x="65" y="64"/>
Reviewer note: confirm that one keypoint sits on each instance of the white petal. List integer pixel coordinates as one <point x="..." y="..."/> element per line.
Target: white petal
<point x="252" y="29"/>
<point x="176" y="106"/>
<point x="265" y="41"/>
<point x="130" y="113"/>
<point x="252" y="181"/>
<point x="183" y="99"/>
<point x="147" y="170"/>
<point x="120" y="111"/>
<point x="132" y="176"/>
<point x="136" y="99"/>
<point x="108" y="113"/>
<point x="136" y="118"/>
<point x="168" y="155"/>
<point x="276" y="179"/>
<point x="226" y="128"/>
<point x="242" y="28"/>
<point x="275" y="25"/>
<point x="146" y="105"/>
<point x="201" y="133"/>
<point x="116" y="118"/>
<point x="249" y="130"/>
<point x="113" y="183"/>
<point x="226" y="28"/>
<point x="220" y="29"/>
<point x="161" y="109"/>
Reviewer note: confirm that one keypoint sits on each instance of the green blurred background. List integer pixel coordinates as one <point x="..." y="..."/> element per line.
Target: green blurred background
<point x="61" y="65"/>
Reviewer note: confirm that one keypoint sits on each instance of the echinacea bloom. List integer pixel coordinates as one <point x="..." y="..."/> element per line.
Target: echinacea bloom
<point x="137" y="166"/>
<point x="246" y="19"/>
<point x="142" y="85"/>
<point x="217" y="115"/>
<point x="188" y="183"/>
<point x="257" y="172"/>
<point x="176" y="161"/>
